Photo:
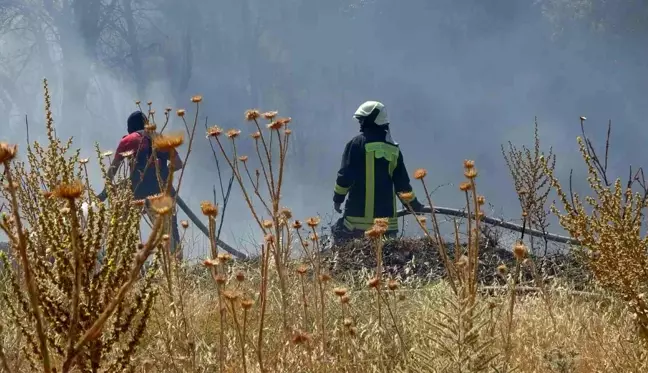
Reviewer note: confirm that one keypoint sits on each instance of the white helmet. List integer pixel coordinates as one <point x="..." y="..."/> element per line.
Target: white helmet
<point x="367" y="109"/>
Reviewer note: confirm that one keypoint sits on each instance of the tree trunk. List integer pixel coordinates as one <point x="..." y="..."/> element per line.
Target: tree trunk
<point x="136" y="58"/>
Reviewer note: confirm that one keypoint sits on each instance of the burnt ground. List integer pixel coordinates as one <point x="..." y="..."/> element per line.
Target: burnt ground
<point x="419" y="259"/>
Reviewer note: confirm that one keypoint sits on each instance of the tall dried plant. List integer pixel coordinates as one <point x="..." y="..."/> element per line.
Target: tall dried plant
<point x="609" y="225"/>
<point x="459" y="334"/>
<point x="264" y="185"/>
<point x="531" y="182"/>
<point x="77" y="309"/>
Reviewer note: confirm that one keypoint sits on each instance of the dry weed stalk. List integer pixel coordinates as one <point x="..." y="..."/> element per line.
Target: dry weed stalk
<point x="377" y="234"/>
<point x="461" y="326"/>
<point x="531" y="182"/>
<point x="611" y="231"/>
<point x="456" y="279"/>
<point x="266" y="185"/>
<point x="76" y="310"/>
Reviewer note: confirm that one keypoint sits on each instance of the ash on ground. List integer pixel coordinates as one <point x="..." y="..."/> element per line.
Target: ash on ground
<point x="419" y="259"/>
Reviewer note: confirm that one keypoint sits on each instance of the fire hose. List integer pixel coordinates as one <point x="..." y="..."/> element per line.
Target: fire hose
<point x="496" y="223"/>
<point x="205" y="230"/>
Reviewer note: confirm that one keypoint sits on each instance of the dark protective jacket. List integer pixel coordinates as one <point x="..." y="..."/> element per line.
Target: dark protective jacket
<point x="371" y="175"/>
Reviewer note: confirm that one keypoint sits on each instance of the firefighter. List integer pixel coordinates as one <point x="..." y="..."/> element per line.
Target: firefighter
<point x="143" y="174"/>
<point x="370" y="177"/>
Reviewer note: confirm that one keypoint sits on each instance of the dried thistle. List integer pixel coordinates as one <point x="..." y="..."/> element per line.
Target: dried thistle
<point x="252" y="115"/>
<point x="419" y="174"/>
<point x="72" y="190"/>
<point x="214" y="131"/>
<point x="233" y="133"/>
<point x="85" y="305"/>
<point x="313" y="222"/>
<point x="465" y="186"/>
<point x="531" y="182"/>
<point x="167" y="143"/>
<point x="209" y="209"/>
<point x="7" y="152"/>
<point x="340" y="292"/>
<point x="270" y="115"/>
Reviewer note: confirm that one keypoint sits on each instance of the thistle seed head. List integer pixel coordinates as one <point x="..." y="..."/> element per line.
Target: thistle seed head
<point x="209" y="209"/>
<point x="240" y="276"/>
<point x="302" y="269"/>
<point x="470" y="173"/>
<point x="166" y="143"/>
<point x="246" y="304"/>
<point x="406" y="196"/>
<point x="286" y="213"/>
<point x="139" y="203"/>
<point x="233" y="133"/>
<point x="214" y="131"/>
<point x="340" y="292"/>
<point x="270" y="115"/>
<point x="267" y="224"/>
<point x="300" y="338"/>
<point x="313" y="222"/>
<point x="231" y="295"/>
<point x="69" y="190"/>
<point x="520" y="251"/>
<point x="224" y="257"/>
<point x="276" y="125"/>
<point x="162" y="205"/>
<point x="252" y="114"/>
<point x="420" y="174"/>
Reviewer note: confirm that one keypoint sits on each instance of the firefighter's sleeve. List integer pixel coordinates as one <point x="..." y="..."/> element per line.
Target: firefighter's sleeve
<point x="401" y="180"/>
<point x="346" y="174"/>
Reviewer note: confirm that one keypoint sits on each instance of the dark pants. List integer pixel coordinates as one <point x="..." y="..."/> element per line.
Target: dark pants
<point x="175" y="233"/>
<point x="142" y="193"/>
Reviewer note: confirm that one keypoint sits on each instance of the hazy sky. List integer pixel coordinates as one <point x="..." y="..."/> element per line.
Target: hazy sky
<point x="458" y="78"/>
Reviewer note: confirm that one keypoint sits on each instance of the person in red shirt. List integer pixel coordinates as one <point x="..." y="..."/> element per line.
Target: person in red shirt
<point x="143" y="173"/>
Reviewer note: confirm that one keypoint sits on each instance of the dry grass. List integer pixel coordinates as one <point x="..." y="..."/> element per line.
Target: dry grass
<point x="69" y="311"/>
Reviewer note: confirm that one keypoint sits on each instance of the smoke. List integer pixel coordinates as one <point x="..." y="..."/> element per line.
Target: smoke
<point x="458" y="78"/>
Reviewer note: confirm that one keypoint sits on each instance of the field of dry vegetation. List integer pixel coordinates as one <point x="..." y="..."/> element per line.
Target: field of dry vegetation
<point x="90" y="294"/>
